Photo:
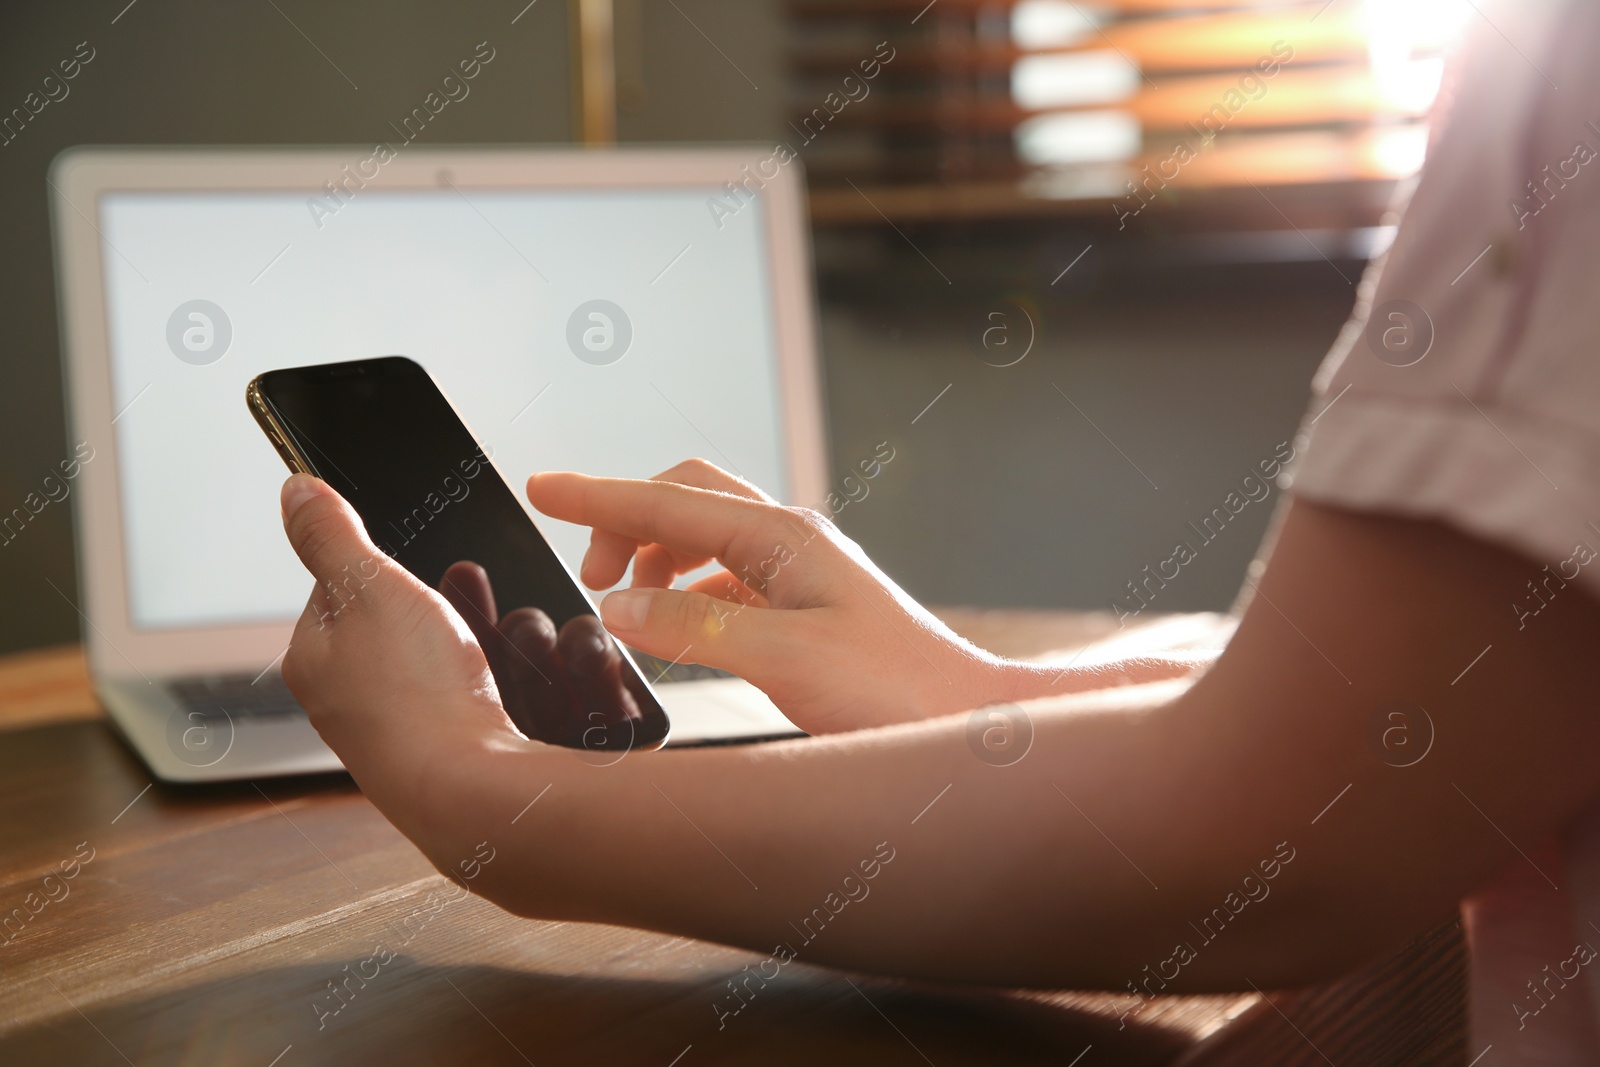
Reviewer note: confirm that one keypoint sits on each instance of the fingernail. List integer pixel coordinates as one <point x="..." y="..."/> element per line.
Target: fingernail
<point x="625" y="609"/>
<point x="296" y="491"/>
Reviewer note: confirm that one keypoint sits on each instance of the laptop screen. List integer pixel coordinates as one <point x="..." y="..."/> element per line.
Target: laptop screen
<point x="613" y="332"/>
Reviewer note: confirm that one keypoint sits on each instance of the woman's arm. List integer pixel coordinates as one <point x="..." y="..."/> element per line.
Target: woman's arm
<point x="798" y="609"/>
<point x="1207" y="834"/>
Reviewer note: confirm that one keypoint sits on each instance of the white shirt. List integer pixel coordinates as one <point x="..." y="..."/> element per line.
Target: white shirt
<point x="1466" y="388"/>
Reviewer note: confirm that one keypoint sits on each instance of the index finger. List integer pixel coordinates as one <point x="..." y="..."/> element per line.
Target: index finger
<point x="734" y="530"/>
<point x="610" y="552"/>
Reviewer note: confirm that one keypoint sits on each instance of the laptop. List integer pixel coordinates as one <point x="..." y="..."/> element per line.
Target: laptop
<point x="184" y="273"/>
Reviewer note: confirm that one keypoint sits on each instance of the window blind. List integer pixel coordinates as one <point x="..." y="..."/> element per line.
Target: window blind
<point x="997" y="108"/>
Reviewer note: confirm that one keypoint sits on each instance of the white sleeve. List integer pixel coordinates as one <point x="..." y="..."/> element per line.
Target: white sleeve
<point x="1466" y="387"/>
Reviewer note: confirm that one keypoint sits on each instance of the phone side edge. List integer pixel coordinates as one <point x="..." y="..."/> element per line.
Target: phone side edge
<point x="267" y="418"/>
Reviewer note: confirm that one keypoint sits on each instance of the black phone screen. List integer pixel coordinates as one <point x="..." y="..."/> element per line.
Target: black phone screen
<point x="382" y="434"/>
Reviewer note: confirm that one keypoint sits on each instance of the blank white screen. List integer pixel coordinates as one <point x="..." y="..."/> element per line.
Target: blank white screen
<point x="477" y="288"/>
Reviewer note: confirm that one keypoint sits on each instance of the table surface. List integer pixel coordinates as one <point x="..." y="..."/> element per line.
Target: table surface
<point x="204" y="924"/>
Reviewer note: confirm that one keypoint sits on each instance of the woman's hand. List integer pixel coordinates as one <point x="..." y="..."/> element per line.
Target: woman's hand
<point x="798" y="609"/>
<point x="391" y="677"/>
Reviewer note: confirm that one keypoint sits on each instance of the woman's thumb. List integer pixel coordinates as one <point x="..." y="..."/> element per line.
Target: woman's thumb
<point x="326" y="533"/>
<point x="675" y="624"/>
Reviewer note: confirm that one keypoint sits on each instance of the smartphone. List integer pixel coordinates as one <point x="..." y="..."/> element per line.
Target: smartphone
<point x="383" y="434"/>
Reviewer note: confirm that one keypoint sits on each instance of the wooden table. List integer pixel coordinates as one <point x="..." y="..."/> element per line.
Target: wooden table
<point x="207" y="925"/>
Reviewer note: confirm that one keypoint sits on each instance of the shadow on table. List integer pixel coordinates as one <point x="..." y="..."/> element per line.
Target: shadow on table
<point x="415" y="1013"/>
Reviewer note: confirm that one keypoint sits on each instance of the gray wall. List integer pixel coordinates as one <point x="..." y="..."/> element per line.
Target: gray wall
<point x="1004" y="493"/>
<point x="1000" y="494"/>
<point x="679" y="70"/>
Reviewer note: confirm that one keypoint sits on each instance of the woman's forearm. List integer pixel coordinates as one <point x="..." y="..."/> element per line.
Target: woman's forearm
<point x="1015" y="680"/>
<point x="901" y="851"/>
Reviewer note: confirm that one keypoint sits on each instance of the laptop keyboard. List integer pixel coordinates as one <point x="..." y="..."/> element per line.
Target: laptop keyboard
<point x="236" y="696"/>
<point x="246" y="696"/>
<point x="657" y="670"/>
